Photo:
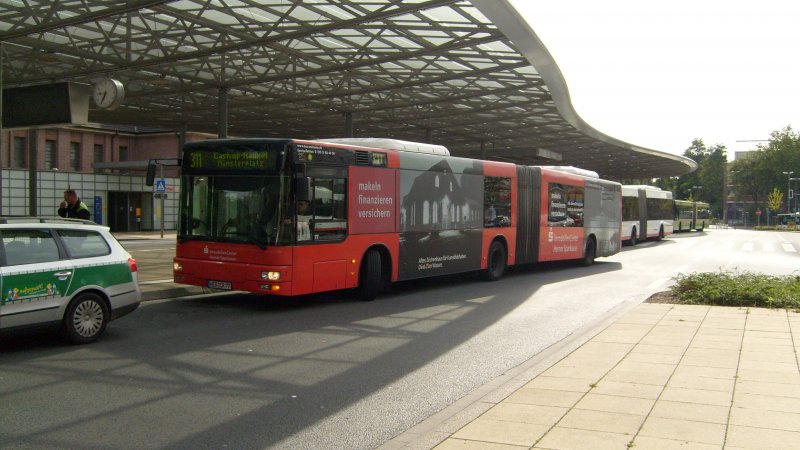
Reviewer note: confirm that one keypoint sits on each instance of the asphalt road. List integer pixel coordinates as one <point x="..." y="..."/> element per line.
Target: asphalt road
<point x="241" y="371"/>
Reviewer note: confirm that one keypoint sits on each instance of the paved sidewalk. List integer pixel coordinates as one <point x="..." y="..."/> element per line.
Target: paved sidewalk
<point x="660" y="377"/>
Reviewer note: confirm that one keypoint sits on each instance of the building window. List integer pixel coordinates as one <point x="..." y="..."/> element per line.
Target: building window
<point x="75" y="156"/>
<point x="49" y="154"/>
<point x="123" y="153"/>
<point x="99" y="154"/>
<point x="20" y="153"/>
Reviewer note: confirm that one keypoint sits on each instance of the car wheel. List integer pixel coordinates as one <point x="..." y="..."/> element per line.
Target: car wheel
<point x="85" y="319"/>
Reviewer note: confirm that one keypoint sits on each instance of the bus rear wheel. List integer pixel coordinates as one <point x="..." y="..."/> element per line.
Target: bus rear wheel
<point x="369" y="277"/>
<point x="589" y="253"/>
<point x="496" y="265"/>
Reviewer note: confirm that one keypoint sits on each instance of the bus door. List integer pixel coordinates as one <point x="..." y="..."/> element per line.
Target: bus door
<point x="643" y="215"/>
<point x="320" y="222"/>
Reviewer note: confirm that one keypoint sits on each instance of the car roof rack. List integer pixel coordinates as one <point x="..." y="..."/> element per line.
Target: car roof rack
<point x="35" y="219"/>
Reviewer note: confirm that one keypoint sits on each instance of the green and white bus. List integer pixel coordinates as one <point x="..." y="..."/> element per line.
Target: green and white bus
<point x="690" y="215"/>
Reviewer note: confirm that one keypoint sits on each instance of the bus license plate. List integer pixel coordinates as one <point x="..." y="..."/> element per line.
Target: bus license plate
<point x="219" y="285"/>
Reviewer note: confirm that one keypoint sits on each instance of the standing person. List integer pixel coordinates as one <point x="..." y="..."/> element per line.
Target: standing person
<point x="72" y="207"/>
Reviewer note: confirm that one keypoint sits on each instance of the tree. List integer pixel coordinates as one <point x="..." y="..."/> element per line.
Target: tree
<point x="707" y="182"/>
<point x="775" y="200"/>
<point x="754" y="175"/>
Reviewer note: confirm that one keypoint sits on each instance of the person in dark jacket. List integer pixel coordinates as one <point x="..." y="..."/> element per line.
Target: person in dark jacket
<point x="72" y="207"/>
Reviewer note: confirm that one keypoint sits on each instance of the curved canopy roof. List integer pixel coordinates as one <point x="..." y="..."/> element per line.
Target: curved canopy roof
<point x="426" y="70"/>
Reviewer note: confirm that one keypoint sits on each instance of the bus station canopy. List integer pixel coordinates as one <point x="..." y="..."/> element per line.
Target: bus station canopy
<point x="469" y="75"/>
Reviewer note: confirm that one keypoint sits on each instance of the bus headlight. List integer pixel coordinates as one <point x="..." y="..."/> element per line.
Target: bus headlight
<point x="272" y="276"/>
<point x="177" y="267"/>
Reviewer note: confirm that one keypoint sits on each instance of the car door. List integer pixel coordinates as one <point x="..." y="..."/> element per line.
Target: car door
<point x="33" y="278"/>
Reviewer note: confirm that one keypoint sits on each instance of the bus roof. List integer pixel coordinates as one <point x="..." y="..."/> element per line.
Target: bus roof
<point x="391" y="144"/>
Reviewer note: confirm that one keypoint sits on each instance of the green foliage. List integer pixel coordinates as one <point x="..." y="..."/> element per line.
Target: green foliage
<point x="754" y="176"/>
<point x="709" y="176"/>
<point x="738" y="289"/>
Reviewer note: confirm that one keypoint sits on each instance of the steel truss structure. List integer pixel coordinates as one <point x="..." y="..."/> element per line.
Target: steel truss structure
<point x="425" y="70"/>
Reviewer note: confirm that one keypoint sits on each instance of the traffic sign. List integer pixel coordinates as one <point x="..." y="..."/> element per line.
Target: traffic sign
<point x="161" y="185"/>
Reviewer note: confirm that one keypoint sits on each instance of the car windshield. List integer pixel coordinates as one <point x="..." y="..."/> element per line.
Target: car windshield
<point x="242" y="209"/>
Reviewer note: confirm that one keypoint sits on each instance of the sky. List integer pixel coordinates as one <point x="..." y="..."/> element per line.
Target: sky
<point x="660" y="74"/>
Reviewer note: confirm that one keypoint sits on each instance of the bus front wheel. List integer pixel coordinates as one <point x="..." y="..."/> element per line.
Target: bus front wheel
<point x="496" y="265"/>
<point x="369" y="277"/>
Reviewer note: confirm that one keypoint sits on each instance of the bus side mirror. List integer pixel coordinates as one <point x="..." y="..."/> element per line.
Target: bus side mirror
<point x="151" y="173"/>
<point x="303" y="189"/>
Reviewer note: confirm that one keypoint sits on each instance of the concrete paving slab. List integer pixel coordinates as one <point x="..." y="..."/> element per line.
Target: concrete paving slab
<point x="622" y="389"/>
<point x="502" y="432"/>
<point x="689" y="430"/>
<point x="572" y="439"/>
<point x="616" y="403"/>
<point x="758" y="438"/>
<point x="560" y="384"/>
<point x="534" y="414"/>
<point x="690" y="411"/>
<point x="652" y="443"/>
<point x="584" y="419"/>
<point x="699" y="396"/>
<point x="545" y="397"/>
<point x="772" y="420"/>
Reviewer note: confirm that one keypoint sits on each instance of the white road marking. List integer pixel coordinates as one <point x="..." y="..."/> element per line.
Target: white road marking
<point x="788" y="248"/>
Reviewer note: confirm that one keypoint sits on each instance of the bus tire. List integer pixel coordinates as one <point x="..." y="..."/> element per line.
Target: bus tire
<point x="633" y="236"/>
<point x="660" y="233"/>
<point x="496" y="263"/>
<point x="589" y="252"/>
<point x="369" y="277"/>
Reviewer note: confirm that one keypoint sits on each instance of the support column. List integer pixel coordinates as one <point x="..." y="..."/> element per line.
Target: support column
<point x="223" y="112"/>
<point x="33" y="159"/>
<point x="182" y="137"/>
<point x="348" y="125"/>
<point x="429" y="135"/>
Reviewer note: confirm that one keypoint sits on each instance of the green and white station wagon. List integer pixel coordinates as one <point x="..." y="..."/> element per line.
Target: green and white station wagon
<point x="68" y="273"/>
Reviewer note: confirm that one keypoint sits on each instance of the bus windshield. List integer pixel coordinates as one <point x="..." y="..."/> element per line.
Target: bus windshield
<point x="235" y="208"/>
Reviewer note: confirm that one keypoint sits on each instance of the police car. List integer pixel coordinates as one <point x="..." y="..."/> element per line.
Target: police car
<point x="68" y="273"/>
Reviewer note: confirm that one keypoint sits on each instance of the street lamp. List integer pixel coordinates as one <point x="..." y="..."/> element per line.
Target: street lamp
<point x="695" y="188"/>
<point x="788" y="189"/>
<point x="795" y="193"/>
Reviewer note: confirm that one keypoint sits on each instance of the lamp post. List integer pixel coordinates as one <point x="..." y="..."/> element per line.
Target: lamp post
<point x="695" y="188"/>
<point x="788" y="189"/>
<point x="794" y="193"/>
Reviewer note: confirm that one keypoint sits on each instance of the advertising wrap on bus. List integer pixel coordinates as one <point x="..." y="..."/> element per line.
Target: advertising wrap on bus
<point x="373" y="208"/>
<point x="441" y="216"/>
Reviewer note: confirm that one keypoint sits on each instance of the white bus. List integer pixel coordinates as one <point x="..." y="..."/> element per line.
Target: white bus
<point x="647" y="212"/>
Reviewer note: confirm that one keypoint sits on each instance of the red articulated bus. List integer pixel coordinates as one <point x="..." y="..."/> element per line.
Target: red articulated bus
<point x="292" y="217"/>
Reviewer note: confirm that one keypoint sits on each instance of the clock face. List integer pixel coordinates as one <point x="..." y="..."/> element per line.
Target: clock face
<point x="108" y="93"/>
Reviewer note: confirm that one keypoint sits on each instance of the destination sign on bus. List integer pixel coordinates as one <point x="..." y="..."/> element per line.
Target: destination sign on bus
<point x="230" y="159"/>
